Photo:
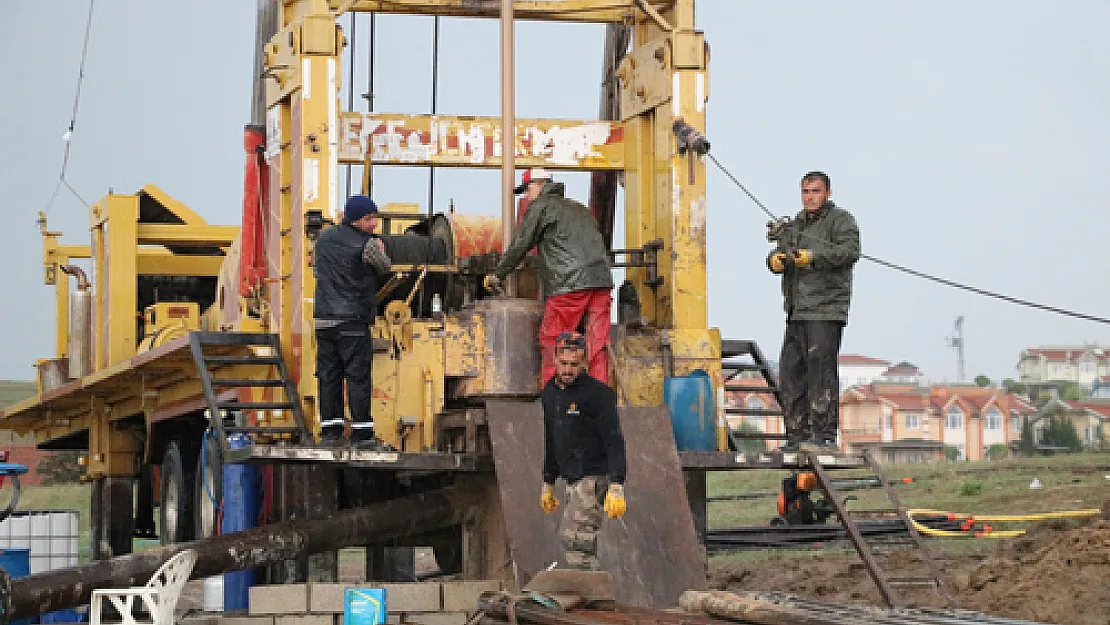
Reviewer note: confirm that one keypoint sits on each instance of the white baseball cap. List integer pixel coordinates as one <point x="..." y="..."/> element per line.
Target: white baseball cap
<point x="531" y="175"/>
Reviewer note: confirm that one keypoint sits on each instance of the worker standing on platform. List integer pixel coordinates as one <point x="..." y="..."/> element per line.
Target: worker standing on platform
<point x="815" y="255"/>
<point x="577" y="277"/>
<point x="583" y="444"/>
<point x="348" y="258"/>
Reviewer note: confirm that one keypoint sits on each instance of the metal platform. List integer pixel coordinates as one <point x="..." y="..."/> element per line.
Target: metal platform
<point x="357" y="458"/>
<point x="726" y="461"/>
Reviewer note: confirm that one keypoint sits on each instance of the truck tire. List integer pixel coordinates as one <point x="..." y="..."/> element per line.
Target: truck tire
<point x="175" y="512"/>
<point x="209" y="488"/>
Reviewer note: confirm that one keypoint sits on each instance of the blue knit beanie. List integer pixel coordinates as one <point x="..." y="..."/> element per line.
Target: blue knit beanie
<point x="358" y="206"/>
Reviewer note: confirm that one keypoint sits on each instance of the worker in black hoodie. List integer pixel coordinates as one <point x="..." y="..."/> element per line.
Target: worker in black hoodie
<point x="583" y="444"/>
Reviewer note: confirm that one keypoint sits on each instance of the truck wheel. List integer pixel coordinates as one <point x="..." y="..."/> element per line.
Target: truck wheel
<point x="209" y="488"/>
<point x="175" y="514"/>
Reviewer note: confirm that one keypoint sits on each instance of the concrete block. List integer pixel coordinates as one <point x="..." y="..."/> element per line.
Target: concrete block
<point x="245" y="620"/>
<point x="306" y="619"/>
<point x="463" y="596"/>
<point x="414" y="597"/>
<point x="279" y="599"/>
<point x="323" y="598"/>
<point x="435" y="618"/>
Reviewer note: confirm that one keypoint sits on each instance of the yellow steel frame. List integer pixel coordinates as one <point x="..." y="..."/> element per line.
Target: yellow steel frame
<point x="664" y="78"/>
<point x="547" y="10"/>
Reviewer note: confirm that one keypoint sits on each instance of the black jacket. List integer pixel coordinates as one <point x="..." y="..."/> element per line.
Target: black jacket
<point x="346" y="286"/>
<point x="582" y="432"/>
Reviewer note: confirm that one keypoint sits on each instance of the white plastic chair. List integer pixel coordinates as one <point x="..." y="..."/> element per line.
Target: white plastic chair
<point x="158" y="598"/>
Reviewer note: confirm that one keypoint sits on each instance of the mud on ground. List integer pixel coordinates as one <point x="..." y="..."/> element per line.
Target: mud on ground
<point x="1056" y="573"/>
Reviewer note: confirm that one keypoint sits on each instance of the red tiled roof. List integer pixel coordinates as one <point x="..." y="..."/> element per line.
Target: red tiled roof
<point x="979" y="402"/>
<point x="856" y="359"/>
<point x="1102" y="409"/>
<point x="1057" y="353"/>
<point x="738" y="382"/>
<point x="1019" y="404"/>
<point x="902" y="370"/>
<point x="907" y="401"/>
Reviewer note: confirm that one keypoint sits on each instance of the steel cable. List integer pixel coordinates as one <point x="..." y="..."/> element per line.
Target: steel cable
<point x="921" y="274"/>
<point x="68" y="136"/>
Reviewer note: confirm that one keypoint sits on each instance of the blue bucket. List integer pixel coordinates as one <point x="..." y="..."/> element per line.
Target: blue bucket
<point x="63" y="616"/>
<point x="17" y="562"/>
<point x="690" y="400"/>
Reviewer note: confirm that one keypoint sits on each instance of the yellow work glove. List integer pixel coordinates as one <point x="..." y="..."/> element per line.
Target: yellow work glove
<point x="802" y="258"/>
<point x="547" y="499"/>
<point x="492" y="283"/>
<point x="614" y="501"/>
<point x="777" y="262"/>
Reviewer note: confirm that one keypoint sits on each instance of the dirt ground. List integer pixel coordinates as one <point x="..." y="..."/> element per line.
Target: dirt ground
<point x="1058" y="572"/>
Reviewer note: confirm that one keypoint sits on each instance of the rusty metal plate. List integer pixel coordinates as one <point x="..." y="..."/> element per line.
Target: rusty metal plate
<point x="652" y="553"/>
<point x="458" y="141"/>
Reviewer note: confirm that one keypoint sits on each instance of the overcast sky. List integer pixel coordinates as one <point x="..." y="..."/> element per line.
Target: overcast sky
<point x="969" y="140"/>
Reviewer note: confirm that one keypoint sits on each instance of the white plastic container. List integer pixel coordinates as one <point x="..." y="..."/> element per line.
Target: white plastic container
<point x="51" y="535"/>
<point x="213" y="594"/>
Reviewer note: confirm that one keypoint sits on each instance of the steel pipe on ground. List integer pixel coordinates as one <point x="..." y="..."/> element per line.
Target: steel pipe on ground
<point x="64" y="588"/>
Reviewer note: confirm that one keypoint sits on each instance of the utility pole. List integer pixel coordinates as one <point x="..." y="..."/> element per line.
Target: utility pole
<point x="958" y="343"/>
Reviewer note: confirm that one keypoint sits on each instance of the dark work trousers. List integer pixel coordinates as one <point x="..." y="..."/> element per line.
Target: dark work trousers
<point x="345" y="353"/>
<point x="808" y="379"/>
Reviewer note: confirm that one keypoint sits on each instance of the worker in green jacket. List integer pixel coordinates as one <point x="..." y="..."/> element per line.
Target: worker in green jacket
<point x="577" y="278"/>
<point x="815" y="256"/>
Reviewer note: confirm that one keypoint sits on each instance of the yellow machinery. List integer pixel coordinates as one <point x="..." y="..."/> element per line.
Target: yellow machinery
<point x="166" y="286"/>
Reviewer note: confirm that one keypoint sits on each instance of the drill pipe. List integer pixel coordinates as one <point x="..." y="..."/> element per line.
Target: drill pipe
<point x="64" y="588"/>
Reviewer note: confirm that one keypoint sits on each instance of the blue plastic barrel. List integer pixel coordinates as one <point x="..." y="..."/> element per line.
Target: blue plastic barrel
<point x="17" y="562"/>
<point x="690" y="400"/>
<point x="241" y="490"/>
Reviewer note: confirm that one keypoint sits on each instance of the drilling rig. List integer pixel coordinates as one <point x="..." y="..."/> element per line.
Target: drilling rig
<point x="187" y="335"/>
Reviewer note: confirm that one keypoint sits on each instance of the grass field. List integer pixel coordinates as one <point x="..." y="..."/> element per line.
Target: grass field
<point x="1070" y="482"/>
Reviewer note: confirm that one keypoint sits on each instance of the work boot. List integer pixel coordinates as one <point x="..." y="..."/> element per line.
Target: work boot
<point x="331" y="437"/>
<point x="371" y="443"/>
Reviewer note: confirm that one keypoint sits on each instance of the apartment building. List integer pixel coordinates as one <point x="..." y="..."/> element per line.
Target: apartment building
<point x="909" y="423"/>
<point x="1082" y="364"/>
<point x="1090" y="417"/>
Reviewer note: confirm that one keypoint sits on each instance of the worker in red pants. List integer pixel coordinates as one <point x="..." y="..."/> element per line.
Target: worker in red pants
<point x="577" y="277"/>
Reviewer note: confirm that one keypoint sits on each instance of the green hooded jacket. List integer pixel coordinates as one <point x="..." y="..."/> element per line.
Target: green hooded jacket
<point x="570" y="244"/>
<point x="823" y="290"/>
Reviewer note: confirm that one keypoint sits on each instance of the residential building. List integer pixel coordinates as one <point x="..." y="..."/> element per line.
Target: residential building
<point x="745" y="392"/>
<point x="1100" y="389"/>
<point x="903" y="373"/>
<point x="16" y="448"/>
<point x="857" y="370"/>
<point x="1090" y="417"/>
<point x="1081" y="364"/>
<point x="903" y="422"/>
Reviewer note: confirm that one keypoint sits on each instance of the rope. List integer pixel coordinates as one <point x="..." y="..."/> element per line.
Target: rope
<point x="921" y="274"/>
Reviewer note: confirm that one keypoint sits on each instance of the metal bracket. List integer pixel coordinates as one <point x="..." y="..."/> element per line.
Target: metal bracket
<point x="646" y="257"/>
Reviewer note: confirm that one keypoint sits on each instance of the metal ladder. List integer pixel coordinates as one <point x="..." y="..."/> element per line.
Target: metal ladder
<point x="869" y="549"/>
<point x="733" y="349"/>
<point x="213" y="350"/>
